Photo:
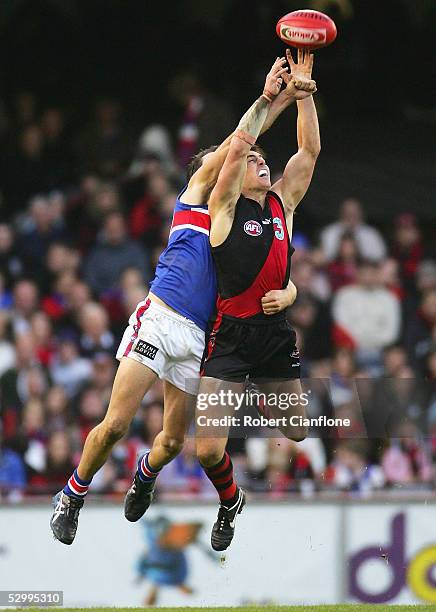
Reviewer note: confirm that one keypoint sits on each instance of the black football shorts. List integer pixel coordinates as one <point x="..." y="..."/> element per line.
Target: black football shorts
<point x="264" y="349"/>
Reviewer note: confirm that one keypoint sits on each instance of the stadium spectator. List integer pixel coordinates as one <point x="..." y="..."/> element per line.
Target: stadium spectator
<point x="144" y="219"/>
<point x="5" y="295"/>
<point x="308" y="274"/>
<point x="60" y="258"/>
<point x="132" y="297"/>
<point x="28" y="163"/>
<point x="42" y="331"/>
<point x="26" y="302"/>
<point x="82" y="215"/>
<point x="95" y="336"/>
<point x="25" y="357"/>
<point x="342" y="379"/>
<point x="184" y="474"/>
<point x="39" y="232"/>
<point x="92" y="410"/>
<point x="105" y="144"/>
<point x="115" y="252"/>
<point x="32" y="383"/>
<point x="406" y="461"/>
<point x="78" y="296"/>
<point x="278" y="471"/>
<point x="11" y="264"/>
<point x="114" y="301"/>
<point x="426" y="275"/>
<point x="56" y="304"/>
<point x="57" y="150"/>
<point x="206" y="117"/>
<point x="367" y="316"/>
<point x="154" y="152"/>
<point x="7" y="349"/>
<point x="394" y="360"/>
<point x="58" y="463"/>
<point x="33" y="437"/>
<point x="407" y="249"/>
<point x="12" y="472"/>
<point x="57" y="409"/>
<point x="430" y="371"/>
<point x="309" y="315"/>
<point x="69" y="370"/>
<point x="420" y="332"/>
<point x="390" y="278"/>
<point x="352" y="471"/>
<point x="343" y="269"/>
<point x="369" y="240"/>
<point x="24" y="109"/>
<point x="103" y="372"/>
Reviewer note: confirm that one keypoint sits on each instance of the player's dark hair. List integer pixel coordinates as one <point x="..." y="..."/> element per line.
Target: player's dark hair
<point x="197" y="160"/>
<point x="259" y="150"/>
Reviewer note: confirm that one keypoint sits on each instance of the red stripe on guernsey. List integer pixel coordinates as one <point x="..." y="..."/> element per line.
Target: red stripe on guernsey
<point x="191" y="217"/>
<point x="76" y="487"/>
<point x="140" y="311"/>
<point x="212" y="337"/>
<point x="272" y="275"/>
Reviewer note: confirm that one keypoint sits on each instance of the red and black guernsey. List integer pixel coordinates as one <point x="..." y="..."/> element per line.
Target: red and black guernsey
<point x="255" y="257"/>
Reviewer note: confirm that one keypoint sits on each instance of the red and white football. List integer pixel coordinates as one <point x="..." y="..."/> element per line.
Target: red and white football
<point x="306" y="29"/>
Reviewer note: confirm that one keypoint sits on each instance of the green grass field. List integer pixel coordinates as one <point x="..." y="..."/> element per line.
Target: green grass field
<point x="321" y="608"/>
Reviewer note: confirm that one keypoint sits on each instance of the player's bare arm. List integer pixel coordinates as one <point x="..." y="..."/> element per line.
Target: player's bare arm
<point x="206" y="176"/>
<point x="299" y="170"/>
<point x="278" y="299"/>
<point x="231" y="177"/>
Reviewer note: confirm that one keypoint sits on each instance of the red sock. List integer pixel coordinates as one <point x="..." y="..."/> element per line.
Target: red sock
<point x="221" y="476"/>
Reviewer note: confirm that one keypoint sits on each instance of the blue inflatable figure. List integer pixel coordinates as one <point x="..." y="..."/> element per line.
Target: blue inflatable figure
<point x="165" y="562"/>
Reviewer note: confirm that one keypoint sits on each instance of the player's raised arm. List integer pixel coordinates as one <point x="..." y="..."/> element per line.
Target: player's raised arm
<point x="206" y="176"/>
<point x="299" y="169"/>
<point x="231" y="177"/>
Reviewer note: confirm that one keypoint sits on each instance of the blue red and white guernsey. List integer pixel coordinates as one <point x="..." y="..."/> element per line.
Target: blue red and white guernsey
<point x="185" y="274"/>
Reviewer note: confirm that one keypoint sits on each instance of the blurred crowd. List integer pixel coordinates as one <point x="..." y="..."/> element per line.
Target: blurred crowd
<point x="84" y="215"/>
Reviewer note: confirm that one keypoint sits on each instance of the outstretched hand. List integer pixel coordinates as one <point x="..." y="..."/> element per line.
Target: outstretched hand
<point x="299" y="82"/>
<point x="274" y="78"/>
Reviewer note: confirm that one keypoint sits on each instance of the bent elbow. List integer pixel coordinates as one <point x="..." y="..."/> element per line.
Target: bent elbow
<point x="316" y="151"/>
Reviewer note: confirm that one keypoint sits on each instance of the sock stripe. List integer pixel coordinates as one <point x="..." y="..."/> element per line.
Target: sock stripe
<point x="224" y="464"/>
<point x="223" y="479"/>
<point x="224" y="474"/>
<point x="146" y="473"/>
<point x="80" y="481"/>
<point x="221" y="476"/>
<point x="76" y="486"/>
<point x="229" y="494"/>
<point x="222" y="486"/>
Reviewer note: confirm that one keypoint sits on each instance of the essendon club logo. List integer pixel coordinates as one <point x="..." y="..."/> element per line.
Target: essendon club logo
<point x="253" y="228"/>
<point x="303" y="35"/>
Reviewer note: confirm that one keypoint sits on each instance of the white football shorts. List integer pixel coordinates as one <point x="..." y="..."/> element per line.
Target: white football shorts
<point x="168" y="343"/>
